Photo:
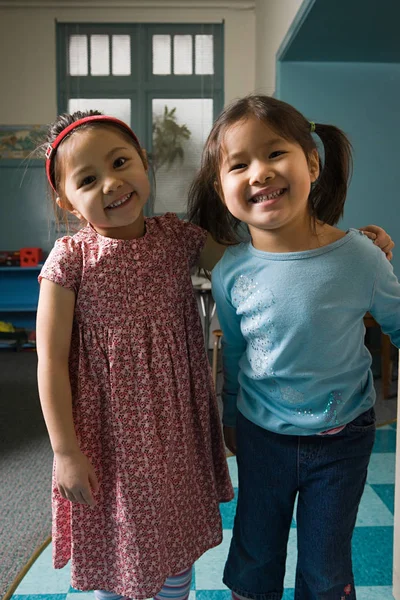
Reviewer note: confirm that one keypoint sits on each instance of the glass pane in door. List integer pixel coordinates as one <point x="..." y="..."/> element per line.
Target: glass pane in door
<point x="78" y="55"/>
<point x="121" y="55"/>
<point x="99" y="55"/>
<point x="161" y="54"/>
<point x="115" y="107"/>
<point x="180" y="129"/>
<point x="183" y="54"/>
<point x="204" y="55"/>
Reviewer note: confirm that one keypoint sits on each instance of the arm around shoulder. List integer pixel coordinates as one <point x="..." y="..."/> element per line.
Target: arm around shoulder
<point x="234" y="345"/>
<point x="381" y="239"/>
<point x="211" y="254"/>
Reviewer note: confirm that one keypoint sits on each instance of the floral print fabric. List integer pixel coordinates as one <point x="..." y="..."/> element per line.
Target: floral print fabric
<point x="144" y="409"/>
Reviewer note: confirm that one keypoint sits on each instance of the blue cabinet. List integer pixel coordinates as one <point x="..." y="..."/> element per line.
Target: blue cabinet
<point x="19" y="294"/>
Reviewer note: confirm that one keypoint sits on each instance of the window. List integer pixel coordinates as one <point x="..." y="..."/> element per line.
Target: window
<point x="156" y="78"/>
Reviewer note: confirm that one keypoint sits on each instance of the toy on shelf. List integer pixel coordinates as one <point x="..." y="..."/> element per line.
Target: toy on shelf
<point x="15" y="337"/>
<point x="9" y="258"/>
<point x="30" y="257"/>
<point x="6" y="327"/>
<point x="25" y="257"/>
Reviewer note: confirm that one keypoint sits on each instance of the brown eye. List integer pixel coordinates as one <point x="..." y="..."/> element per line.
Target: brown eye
<point x="88" y="180"/>
<point x="119" y="162"/>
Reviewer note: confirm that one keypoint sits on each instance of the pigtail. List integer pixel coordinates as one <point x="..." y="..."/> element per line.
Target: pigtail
<point x="206" y="209"/>
<point x="328" y="193"/>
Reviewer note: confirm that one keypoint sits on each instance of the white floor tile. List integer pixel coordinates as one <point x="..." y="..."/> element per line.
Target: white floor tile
<point x="291" y="559"/>
<point x="80" y="596"/>
<point x="382" y="468"/>
<point x="375" y="593"/>
<point x="232" y="466"/>
<point x="373" y="512"/>
<point x="210" y="566"/>
<point x="43" y="579"/>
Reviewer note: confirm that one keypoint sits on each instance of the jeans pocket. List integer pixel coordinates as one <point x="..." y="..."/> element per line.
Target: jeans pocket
<point x="364" y="422"/>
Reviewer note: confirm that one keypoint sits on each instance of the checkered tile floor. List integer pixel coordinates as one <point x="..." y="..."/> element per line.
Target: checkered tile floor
<point x="372" y="544"/>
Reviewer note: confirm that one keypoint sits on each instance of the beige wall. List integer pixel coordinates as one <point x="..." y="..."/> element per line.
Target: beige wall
<point x="273" y="19"/>
<point x="254" y="30"/>
<point x="27" y="48"/>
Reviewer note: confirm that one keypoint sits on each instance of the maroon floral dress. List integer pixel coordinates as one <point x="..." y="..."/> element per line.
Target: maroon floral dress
<point x="144" y="409"/>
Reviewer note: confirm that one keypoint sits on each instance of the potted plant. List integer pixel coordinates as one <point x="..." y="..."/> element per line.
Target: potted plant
<point x="168" y="138"/>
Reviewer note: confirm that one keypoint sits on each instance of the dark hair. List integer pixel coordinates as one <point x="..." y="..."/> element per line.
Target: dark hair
<point x="63" y="121"/>
<point x="328" y="193"/>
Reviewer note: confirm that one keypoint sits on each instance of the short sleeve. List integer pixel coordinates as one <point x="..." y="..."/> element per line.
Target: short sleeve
<point x="190" y="236"/>
<point x="64" y="264"/>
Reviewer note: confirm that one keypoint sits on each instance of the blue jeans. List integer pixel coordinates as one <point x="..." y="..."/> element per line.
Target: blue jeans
<point x="328" y="473"/>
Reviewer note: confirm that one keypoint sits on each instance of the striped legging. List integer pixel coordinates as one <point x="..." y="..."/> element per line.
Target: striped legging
<point x="176" y="587"/>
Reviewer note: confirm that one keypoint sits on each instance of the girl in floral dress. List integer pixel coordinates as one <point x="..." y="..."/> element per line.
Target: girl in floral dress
<point x="125" y="384"/>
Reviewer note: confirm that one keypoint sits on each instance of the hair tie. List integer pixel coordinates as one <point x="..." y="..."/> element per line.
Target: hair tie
<point x="312" y="126"/>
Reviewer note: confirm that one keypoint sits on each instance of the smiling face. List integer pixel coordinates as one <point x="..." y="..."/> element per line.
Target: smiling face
<point x="104" y="181"/>
<point x="264" y="179"/>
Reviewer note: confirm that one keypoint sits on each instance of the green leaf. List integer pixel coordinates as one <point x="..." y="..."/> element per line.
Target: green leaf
<point x="168" y="137"/>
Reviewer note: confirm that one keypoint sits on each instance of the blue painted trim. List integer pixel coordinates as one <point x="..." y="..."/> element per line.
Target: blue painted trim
<point x="7" y="269"/>
<point x="277" y="92"/>
<point x="61" y="65"/>
<point x="18" y="308"/>
<point x="294" y="28"/>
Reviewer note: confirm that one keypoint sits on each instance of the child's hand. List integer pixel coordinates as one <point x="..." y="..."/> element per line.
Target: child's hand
<point x="230" y="438"/>
<point x="76" y="478"/>
<point x="380" y="238"/>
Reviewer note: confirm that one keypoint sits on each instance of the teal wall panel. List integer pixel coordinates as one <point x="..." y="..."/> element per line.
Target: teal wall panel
<point x="25" y="208"/>
<point x="363" y="100"/>
<point x="344" y="30"/>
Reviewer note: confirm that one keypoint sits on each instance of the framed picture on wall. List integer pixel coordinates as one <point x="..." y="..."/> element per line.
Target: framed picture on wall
<point x="21" y="141"/>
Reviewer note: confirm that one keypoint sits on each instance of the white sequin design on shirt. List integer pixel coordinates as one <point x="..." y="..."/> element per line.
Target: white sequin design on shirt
<point x="292" y="395"/>
<point x="252" y="304"/>
<point x="256" y="326"/>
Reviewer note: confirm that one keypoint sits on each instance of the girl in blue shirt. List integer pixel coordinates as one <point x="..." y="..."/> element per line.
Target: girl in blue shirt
<point x="298" y="390"/>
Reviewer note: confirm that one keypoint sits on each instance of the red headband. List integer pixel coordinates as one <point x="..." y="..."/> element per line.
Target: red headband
<point x="52" y="148"/>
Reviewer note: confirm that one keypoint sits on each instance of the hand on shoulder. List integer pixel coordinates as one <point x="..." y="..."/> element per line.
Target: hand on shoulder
<point x="380" y="238"/>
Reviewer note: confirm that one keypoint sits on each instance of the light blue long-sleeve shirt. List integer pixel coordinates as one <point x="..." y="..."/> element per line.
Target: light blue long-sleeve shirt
<point x="293" y="334"/>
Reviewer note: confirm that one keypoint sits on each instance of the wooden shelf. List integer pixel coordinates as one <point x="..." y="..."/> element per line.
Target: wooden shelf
<point x="16" y="308"/>
<point x="38" y="268"/>
<point x="19" y="293"/>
